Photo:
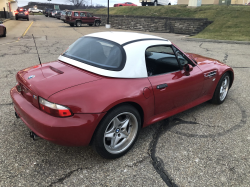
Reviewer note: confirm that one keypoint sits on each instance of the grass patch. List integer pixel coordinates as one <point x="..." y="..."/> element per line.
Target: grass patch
<point x="229" y="22"/>
<point x="36" y="13"/>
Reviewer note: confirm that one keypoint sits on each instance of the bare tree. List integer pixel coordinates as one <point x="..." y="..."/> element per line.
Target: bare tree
<point x="77" y="3"/>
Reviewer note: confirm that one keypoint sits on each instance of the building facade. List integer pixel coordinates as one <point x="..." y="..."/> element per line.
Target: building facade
<point x="215" y="2"/>
<point x="9" y="6"/>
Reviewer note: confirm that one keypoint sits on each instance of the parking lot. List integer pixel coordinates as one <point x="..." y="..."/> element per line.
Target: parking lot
<point x="207" y="145"/>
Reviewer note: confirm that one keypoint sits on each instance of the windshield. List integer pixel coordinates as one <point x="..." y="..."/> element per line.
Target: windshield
<point x="97" y="52"/>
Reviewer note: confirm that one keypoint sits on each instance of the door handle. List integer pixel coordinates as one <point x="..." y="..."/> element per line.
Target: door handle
<point x="161" y="86"/>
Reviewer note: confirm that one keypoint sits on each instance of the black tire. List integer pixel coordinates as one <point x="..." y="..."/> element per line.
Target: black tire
<point x="217" y="97"/>
<point x="16" y="18"/>
<point x="97" y="23"/>
<point x="28" y="19"/>
<point x="143" y="4"/>
<point x="90" y="24"/>
<point x="129" y="125"/>
<point x="78" y="23"/>
<point x="46" y="15"/>
<point x="72" y="24"/>
<point x="4" y="34"/>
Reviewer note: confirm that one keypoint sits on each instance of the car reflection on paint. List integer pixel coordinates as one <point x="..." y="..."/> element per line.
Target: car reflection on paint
<point x="106" y="86"/>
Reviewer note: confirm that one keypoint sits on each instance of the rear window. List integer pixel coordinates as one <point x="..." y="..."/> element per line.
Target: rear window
<point x="97" y="52"/>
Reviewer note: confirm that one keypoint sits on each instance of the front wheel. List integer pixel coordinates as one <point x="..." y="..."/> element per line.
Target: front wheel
<point x="221" y="90"/>
<point x="117" y="132"/>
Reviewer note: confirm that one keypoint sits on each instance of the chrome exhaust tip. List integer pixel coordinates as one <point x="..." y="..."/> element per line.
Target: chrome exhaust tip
<point x="34" y="136"/>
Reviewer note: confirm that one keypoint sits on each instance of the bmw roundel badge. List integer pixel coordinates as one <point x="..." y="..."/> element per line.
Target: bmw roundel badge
<point x="31" y="76"/>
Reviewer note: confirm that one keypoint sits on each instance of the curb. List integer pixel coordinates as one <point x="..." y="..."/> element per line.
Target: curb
<point x="216" y="41"/>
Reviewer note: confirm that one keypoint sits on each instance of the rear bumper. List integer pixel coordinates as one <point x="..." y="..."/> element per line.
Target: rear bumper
<point x="76" y="130"/>
<point x="22" y="16"/>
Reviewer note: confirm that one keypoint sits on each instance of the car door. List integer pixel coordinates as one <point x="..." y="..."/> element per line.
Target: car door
<point x="171" y="86"/>
<point x="84" y="18"/>
<point x="91" y="19"/>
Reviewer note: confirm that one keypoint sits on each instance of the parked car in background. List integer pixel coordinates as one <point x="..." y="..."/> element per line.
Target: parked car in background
<point x="63" y="14"/>
<point x="50" y="12"/>
<point x="124" y="4"/>
<point x="80" y="17"/>
<point x="22" y="13"/>
<point x="54" y="12"/>
<point x="58" y="14"/>
<point x="154" y="2"/>
<point x="33" y="10"/>
<point x="3" y="30"/>
<point x="47" y="11"/>
<point x="112" y="85"/>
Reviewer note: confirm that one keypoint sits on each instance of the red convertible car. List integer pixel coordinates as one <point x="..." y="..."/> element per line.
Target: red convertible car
<point x="3" y="30"/>
<point x="106" y="86"/>
<point x="125" y="4"/>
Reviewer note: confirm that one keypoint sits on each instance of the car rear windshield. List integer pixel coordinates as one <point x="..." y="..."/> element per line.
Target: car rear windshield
<point x="97" y="52"/>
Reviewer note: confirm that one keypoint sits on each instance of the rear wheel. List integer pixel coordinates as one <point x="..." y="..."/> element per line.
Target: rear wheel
<point x="28" y="19"/>
<point x="16" y="18"/>
<point x="78" y="23"/>
<point x="97" y="23"/>
<point x="117" y="132"/>
<point x="72" y="24"/>
<point x="221" y="90"/>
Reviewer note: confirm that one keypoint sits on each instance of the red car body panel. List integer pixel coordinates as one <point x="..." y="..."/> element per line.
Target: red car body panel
<point x="2" y="29"/>
<point x="54" y="129"/>
<point x="90" y="96"/>
<point x="124" y="4"/>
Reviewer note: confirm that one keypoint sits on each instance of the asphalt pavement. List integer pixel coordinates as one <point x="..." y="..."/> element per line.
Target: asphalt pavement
<point x="207" y="145"/>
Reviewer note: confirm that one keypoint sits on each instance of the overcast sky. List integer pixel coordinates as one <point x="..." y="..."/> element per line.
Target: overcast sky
<point x="94" y="2"/>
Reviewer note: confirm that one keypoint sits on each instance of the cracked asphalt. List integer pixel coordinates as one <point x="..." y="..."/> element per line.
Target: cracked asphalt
<point x="207" y="145"/>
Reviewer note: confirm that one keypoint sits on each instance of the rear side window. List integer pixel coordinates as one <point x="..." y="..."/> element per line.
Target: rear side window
<point x="76" y="14"/>
<point x="97" y="52"/>
<point x="69" y="13"/>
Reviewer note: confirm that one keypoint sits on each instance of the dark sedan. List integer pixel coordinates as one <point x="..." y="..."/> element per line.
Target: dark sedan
<point x="22" y="13"/>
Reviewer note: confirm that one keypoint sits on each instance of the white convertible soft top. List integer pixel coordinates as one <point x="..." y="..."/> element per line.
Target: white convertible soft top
<point x="134" y="44"/>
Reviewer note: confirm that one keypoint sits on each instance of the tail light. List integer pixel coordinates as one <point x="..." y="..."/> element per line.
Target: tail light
<point x="54" y="109"/>
<point x="26" y="13"/>
<point x="16" y="12"/>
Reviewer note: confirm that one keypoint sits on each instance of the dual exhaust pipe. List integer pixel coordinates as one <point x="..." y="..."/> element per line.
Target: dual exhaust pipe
<point x="32" y="134"/>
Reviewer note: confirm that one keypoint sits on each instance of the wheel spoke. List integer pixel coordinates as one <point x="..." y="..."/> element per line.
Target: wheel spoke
<point x="116" y="122"/>
<point x="109" y="135"/>
<point x="114" y="141"/>
<point x="125" y="123"/>
<point x="124" y="134"/>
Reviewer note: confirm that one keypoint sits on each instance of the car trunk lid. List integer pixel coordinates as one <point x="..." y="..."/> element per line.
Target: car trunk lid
<point x="50" y="78"/>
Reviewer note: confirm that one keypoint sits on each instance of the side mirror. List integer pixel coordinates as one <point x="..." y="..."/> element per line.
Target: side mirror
<point x="187" y="68"/>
